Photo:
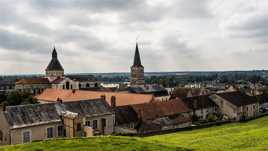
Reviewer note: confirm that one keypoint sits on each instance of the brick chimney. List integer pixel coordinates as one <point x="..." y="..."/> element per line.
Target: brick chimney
<point x="59" y="100"/>
<point x="103" y="97"/>
<point x="73" y="91"/>
<point x="113" y="101"/>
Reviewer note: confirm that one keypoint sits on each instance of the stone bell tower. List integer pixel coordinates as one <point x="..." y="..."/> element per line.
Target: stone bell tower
<point x="137" y="70"/>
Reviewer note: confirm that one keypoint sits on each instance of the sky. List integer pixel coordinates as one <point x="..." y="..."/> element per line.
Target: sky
<point x="100" y="35"/>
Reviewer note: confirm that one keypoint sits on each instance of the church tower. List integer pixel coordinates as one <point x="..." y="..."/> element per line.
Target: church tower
<point x="137" y="70"/>
<point x="54" y="68"/>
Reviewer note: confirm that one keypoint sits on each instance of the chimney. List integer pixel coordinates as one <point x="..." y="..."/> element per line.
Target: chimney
<point x="4" y="106"/>
<point x="113" y="101"/>
<point x="59" y="100"/>
<point x="195" y="104"/>
<point x="103" y="97"/>
<point x="73" y="91"/>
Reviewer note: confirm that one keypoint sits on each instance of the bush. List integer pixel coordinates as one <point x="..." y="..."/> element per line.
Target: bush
<point x="211" y="118"/>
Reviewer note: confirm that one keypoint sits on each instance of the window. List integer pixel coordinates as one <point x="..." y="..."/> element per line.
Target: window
<point x="79" y="128"/>
<point x="1" y="136"/>
<point x="103" y="122"/>
<point x="87" y="123"/>
<point x="67" y="85"/>
<point x="50" y="132"/>
<point x="61" y="131"/>
<point x="96" y="85"/>
<point x="26" y="137"/>
<point x="95" y="124"/>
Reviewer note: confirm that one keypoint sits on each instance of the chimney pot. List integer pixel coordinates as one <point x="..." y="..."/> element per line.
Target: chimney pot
<point x="113" y="101"/>
<point x="103" y="97"/>
<point x="59" y="100"/>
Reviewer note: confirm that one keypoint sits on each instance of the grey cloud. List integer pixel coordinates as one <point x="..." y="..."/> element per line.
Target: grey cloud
<point x="93" y="5"/>
<point x="254" y="28"/>
<point x="176" y="45"/>
<point x="185" y="9"/>
<point x="19" y="42"/>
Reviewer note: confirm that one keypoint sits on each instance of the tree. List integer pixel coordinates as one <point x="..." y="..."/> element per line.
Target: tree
<point x="17" y="98"/>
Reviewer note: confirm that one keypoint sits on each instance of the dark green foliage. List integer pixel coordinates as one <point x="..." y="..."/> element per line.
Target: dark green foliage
<point x="17" y="98"/>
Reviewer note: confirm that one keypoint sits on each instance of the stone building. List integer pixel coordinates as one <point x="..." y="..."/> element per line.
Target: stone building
<point x="152" y="117"/>
<point x="201" y="106"/>
<point x="137" y="70"/>
<point x="54" y="68"/>
<point x="32" y="85"/>
<point x="236" y="105"/>
<point x="27" y="123"/>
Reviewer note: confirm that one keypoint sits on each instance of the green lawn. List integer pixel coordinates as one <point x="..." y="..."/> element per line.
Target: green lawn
<point x="250" y="136"/>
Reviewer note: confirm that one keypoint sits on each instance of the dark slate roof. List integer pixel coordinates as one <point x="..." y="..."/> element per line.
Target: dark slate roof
<point x="154" y="89"/>
<point x="37" y="114"/>
<point x="54" y="63"/>
<point x="238" y="98"/>
<point x="199" y="102"/>
<point x="87" y="107"/>
<point x="137" y="59"/>
<point x="125" y="115"/>
<point x="82" y="78"/>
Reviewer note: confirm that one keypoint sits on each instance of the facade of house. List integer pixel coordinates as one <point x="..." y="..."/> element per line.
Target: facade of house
<point x="201" y="106"/>
<point x="137" y="70"/>
<point x="6" y="86"/>
<point x="65" y="83"/>
<point x="236" y="105"/>
<point x="159" y="92"/>
<point x="32" y="85"/>
<point x="86" y="82"/>
<point x="183" y="92"/>
<point x="263" y="102"/>
<point x="27" y="123"/>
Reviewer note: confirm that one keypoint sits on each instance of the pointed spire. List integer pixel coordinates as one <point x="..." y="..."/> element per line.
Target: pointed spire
<point x="137" y="59"/>
<point x="54" y="53"/>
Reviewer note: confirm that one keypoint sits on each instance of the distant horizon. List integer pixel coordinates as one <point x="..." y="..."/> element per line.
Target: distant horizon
<point x="88" y="73"/>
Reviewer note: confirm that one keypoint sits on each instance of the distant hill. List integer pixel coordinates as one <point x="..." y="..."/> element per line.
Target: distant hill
<point x="250" y="136"/>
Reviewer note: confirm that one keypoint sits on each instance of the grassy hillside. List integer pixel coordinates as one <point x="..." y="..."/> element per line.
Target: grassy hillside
<point x="250" y="136"/>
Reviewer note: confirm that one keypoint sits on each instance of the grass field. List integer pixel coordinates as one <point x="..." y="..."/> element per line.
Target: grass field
<point x="250" y="136"/>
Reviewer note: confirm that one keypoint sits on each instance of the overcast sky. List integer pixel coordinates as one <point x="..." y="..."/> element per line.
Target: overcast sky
<point x="100" y="35"/>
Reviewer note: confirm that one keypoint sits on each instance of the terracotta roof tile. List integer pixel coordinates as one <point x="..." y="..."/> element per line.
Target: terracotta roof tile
<point x="157" y="109"/>
<point x="51" y="95"/>
<point x="33" y="81"/>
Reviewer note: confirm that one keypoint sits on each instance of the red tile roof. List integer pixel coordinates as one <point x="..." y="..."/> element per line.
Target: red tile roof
<point x="157" y="109"/>
<point x="52" y="95"/>
<point x="33" y="81"/>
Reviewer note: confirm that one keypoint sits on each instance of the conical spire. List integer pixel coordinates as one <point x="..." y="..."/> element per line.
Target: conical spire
<point x="54" y="64"/>
<point x="54" y="53"/>
<point x="137" y="59"/>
